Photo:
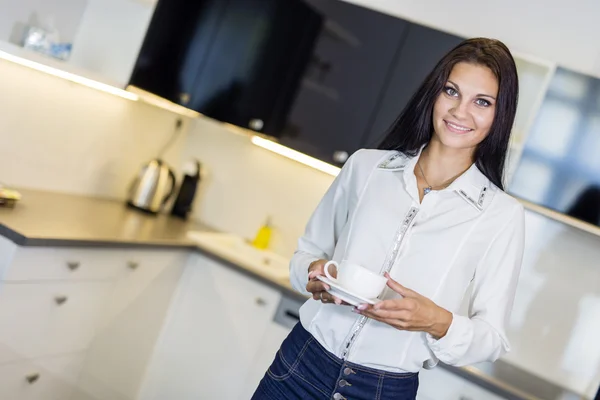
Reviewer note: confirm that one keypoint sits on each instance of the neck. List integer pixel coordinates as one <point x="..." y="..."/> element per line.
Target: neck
<point x="441" y="163"/>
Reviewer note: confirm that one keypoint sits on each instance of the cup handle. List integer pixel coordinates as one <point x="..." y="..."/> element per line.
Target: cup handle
<point x="326" y="270"/>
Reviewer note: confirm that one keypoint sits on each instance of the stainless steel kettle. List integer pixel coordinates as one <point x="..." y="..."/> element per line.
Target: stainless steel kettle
<point x="152" y="188"/>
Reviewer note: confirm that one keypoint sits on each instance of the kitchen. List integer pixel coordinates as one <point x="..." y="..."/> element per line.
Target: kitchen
<point x="100" y="300"/>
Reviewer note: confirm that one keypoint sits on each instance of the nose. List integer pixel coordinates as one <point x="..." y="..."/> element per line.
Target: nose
<point x="459" y="109"/>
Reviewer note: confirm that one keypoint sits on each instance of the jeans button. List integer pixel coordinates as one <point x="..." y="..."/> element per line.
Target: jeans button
<point x="348" y="371"/>
<point x="343" y="383"/>
<point x="338" y="396"/>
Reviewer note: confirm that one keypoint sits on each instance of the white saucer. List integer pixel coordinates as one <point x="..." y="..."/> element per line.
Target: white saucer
<point x="344" y="294"/>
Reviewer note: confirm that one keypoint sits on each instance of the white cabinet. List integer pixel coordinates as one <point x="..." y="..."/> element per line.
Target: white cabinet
<point x="42" y="319"/>
<point x="82" y="322"/>
<point x="127" y="331"/>
<point x="50" y="378"/>
<point x="217" y="322"/>
<point x="282" y="323"/>
<point x="50" y="263"/>
<point x="106" y="35"/>
<point x="439" y="384"/>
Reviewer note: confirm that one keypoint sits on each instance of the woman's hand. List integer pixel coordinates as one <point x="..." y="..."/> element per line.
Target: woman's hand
<point x="412" y="312"/>
<point x="318" y="288"/>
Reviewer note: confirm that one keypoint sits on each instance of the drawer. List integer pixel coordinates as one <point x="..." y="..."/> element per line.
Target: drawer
<point x="49" y="263"/>
<point x="52" y="378"/>
<point x="40" y="319"/>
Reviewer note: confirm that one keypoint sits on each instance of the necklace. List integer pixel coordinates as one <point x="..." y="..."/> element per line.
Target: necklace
<point x="429" y="187"/>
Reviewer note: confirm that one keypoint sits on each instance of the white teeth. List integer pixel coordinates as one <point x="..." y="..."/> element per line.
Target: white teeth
<point x="460" y="128"/>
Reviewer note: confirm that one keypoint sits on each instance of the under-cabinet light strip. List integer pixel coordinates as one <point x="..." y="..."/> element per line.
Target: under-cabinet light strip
<point x="68" y="76"/>
<point x="295" y="155"/>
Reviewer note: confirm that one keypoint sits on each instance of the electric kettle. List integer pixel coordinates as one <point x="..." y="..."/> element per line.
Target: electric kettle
<point x="152" y="188"/>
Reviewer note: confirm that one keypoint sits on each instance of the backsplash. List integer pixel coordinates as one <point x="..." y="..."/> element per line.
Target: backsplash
<point x="244" y="184"/>
<point x="59" y="136"/>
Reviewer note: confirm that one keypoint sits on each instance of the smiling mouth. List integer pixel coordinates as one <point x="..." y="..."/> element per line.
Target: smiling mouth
<point x="457" y="128"/>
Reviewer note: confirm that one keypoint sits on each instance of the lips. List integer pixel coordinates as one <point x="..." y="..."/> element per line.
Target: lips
<point x="456" y="128"/>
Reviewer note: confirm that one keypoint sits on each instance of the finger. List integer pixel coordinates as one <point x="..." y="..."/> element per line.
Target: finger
<point x="332" y="299"/>
<point x="316" y="286"/>
<point x="401" y="315"/>
<point x="393" y="304"/>
<point x="398" y="324"/>
<point x="313" y="274"/>
<point x="398" y="288"/>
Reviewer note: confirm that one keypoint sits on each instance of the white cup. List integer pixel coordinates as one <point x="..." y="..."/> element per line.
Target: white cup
<point x="356" y="279"/>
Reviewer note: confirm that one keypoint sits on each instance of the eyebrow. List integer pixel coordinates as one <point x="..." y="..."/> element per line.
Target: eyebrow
<point x="479" y="95"/>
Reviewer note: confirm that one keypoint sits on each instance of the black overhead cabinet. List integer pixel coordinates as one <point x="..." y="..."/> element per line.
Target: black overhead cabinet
<point x="238" y="61"/>
<point x="324" y="77"/>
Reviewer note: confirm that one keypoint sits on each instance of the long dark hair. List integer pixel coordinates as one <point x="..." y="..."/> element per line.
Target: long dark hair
<point x="414" y="127"/>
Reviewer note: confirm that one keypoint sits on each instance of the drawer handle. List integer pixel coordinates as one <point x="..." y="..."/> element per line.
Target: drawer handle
<point x="292" y="315"/>
<point x="133" y="265"/>
<point x="60" y="300"/>
<point x="32" y="378"/>
<point x="73" y="265"/>
<point x="260" y="301"/>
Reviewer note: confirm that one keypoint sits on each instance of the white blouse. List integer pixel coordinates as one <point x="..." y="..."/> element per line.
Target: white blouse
<point x="469" y="233"/>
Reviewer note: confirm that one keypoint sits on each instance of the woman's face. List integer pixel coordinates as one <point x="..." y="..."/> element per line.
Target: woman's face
<point x="463" y="113"/>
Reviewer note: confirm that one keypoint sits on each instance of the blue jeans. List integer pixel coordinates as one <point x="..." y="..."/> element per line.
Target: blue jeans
<point x="303" y="369"/>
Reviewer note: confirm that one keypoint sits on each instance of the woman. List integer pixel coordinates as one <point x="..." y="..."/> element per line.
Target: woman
<point x="428" y="210"/>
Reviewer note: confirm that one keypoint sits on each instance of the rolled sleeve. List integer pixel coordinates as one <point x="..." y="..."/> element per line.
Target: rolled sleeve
<point x="481" y="336"/>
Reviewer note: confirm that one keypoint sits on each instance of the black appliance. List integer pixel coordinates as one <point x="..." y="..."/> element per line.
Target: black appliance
<point x="187" y="192"/>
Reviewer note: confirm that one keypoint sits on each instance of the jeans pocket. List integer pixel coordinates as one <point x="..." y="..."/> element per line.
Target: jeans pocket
<point x="280" y="369"/>
<point x="288" y="357"/>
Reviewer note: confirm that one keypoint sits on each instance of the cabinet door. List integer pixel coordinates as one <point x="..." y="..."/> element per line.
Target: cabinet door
<point x="257" y="56"/>
<point x="286" y="316"/>
<point x="43" y="319"/>
<point x="131" y="324"/>
<point x="439" y="384"/>
<point x="176" y="47"/>
<point x="341" y="89"/>
<point x="421" y="51"/>
<point x="49" y="378"/>
<point x="212" y="334"/>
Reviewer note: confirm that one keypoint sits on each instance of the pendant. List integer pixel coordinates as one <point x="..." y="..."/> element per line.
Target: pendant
<point x="427" y="190"/>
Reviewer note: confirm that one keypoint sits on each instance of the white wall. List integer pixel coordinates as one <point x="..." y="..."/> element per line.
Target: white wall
<point x="555" y="30"/>
<point x="60" y="136"/>
<point x="245" y="183"/>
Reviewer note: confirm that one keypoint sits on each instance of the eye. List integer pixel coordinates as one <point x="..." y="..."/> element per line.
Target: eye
<point x="483" y="103"/>
<point x="450" y="91"/>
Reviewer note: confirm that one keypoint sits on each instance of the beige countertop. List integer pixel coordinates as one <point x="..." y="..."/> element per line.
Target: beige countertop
<point x="57" y="219"/>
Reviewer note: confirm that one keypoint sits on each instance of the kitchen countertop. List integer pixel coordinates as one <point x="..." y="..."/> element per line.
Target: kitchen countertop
<point x="55" y="219"/>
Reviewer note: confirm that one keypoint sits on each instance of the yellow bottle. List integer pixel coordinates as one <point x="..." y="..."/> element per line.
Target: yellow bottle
<point x="263" y="236"/>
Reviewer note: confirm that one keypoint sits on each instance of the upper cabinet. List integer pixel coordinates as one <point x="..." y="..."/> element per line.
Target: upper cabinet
<point x="94" y="39"/>
<point x="238" y="61"/>
<point x="324" y="77"/>
<point x="421" y="49"/>
<point x="341" y="89"/>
